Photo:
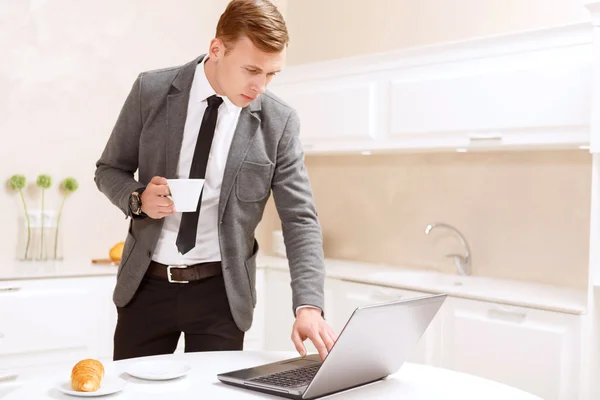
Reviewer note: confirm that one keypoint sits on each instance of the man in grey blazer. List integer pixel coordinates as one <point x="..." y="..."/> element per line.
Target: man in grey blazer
<point x="212" y="118"/>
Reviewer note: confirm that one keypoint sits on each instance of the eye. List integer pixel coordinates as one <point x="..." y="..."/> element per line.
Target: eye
<point x="252" y="70"/>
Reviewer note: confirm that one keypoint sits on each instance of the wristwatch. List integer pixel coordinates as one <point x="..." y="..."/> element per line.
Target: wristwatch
<point x="135" y="202"/>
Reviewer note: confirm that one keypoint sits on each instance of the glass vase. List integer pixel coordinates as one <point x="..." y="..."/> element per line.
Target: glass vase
<point x="37" y="242"/>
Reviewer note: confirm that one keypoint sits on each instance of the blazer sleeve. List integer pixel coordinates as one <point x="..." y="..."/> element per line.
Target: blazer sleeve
<point x="115" y="169"/>
<point x="300" y="225"/>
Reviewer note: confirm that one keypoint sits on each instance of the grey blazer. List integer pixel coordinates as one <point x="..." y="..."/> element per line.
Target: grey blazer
<point x="265" y="156"/>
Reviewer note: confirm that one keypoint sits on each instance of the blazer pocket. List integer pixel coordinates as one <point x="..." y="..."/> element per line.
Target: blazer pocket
<point x="254" y="181"/>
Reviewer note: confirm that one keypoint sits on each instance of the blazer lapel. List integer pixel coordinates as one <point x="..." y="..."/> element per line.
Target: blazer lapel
<point x="247" y="126"/>
<point x="177" y="105"/>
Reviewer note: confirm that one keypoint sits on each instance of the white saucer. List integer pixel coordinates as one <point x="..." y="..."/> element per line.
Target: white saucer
<point x="109" y="385"/>
<point x="158" y="370"/>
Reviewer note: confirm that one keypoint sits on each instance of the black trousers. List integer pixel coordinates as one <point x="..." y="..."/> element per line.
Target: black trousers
<point x="154" y="319"/>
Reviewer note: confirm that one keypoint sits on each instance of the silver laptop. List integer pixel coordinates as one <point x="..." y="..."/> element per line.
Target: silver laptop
<point x="375" y="342"/>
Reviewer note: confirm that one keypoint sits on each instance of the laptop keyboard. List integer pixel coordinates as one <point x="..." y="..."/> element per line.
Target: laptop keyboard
<point x="292" y="378"/>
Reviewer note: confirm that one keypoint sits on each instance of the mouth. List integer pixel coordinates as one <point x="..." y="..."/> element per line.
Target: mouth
<point x="248" y="98"/>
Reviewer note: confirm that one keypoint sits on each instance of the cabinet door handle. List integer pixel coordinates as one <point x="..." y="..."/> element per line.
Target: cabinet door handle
<point x="10" y="288"/>
<point x="485" y="136"/>
<point x="507" y="315"/>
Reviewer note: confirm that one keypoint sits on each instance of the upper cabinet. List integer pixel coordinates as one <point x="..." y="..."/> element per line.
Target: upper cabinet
<point x="526" y="90"/>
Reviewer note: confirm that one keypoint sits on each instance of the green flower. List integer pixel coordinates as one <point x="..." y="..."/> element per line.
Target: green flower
<point x="69" y="184"/>
<point x="17" y="182"/>
<point x="44" y="181"/>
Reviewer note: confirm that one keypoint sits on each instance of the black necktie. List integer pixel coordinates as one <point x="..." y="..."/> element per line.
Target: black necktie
<point x="186" y="238"/>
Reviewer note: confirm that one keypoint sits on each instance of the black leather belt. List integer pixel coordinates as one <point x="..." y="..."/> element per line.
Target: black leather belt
<point x="185" y="273"/>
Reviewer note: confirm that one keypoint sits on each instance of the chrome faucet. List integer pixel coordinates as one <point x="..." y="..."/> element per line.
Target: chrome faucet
<point x="463" y="263"/>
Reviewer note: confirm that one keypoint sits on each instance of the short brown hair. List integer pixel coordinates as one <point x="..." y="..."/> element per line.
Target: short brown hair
<point x="259" y="20"/>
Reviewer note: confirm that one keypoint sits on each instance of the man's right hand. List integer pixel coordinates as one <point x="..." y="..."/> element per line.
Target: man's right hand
<point x="155" y="202"/>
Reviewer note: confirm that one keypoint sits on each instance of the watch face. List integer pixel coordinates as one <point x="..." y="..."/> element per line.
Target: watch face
<point x="135" y="203"/>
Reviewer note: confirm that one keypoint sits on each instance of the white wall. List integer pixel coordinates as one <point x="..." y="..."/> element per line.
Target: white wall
<point x="66" y="67"/>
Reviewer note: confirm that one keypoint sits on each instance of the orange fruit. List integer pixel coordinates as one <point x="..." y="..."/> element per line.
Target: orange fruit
<point x="116" y="252"/>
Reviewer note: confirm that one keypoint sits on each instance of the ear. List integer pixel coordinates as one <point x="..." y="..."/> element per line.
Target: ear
<point x="216" y="49"/>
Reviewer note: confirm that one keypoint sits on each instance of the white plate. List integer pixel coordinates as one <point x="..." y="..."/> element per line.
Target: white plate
<point x="109" y="385"/>
<point x="157" y="370"/>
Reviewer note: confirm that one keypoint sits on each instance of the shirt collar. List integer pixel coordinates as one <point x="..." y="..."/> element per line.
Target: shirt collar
<point x="204" y="90"/>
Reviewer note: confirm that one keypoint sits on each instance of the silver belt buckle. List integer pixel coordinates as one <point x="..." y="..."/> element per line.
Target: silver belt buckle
<point x="170" y="277"/>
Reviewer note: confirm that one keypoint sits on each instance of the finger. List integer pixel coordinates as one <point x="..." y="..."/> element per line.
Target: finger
<point x="162" y="211"/>
<point x="315" y="337"/>
<point x="165" y="211"/>
<point x="333" y="335"/>
<point x="162" y="190"/>
<point x="158" y="180"/>
<point x="327" y="339"/>
<point x="157" y="190"/>
<point x="164" y="202"/>
<point x="298" y="343"/>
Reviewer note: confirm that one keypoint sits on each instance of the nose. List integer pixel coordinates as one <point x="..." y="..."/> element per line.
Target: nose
<point x="259" y="86"/>
<point x="258" y="89"/>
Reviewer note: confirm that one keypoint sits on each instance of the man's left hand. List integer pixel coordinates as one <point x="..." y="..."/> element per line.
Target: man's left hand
<point x="311" y="325"/>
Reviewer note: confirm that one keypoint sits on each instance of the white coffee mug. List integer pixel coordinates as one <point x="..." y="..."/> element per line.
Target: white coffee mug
<point x="185" y="193"/>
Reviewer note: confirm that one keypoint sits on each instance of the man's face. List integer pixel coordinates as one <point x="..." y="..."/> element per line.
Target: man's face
<point x="244" y="72"/>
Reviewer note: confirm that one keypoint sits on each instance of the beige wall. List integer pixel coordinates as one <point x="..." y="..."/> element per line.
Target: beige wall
<point x="525" y="215"/>
<point x="66" y="68"/>
<point x="327" y="29"/>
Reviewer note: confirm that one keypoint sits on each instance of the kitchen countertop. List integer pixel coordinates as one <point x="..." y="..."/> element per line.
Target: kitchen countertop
<point x="15" y="270"/>
<point x="504" y="291"/>
<point x="510" y="292"/>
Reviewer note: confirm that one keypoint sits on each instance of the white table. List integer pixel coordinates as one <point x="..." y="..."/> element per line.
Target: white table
<point x="412" y="382"/>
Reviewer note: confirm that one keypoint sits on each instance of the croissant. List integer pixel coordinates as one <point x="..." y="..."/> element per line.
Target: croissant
<point x="87" y="375"/>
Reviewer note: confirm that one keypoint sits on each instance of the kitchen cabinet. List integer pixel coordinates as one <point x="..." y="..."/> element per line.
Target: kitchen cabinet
<point x="48" y="321"/>
<point x="475" y="94"/>
<point x="325" y="108"/>
<point x="534" y="350"/>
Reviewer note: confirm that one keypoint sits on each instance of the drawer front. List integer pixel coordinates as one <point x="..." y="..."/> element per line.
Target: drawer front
<point x="533" y="350"/>
<point x="51" y="316"/>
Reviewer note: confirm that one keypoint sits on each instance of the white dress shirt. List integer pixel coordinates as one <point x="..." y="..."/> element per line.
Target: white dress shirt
<point x="207" y="238"/>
